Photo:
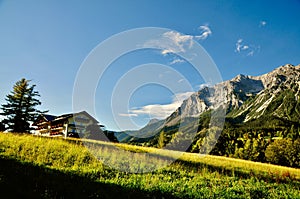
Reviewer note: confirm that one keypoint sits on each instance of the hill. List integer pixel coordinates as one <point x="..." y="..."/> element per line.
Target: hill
<point x="38" y="167"/>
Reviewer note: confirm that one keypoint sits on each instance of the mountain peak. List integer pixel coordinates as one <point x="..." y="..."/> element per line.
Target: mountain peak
<point x="286" y="69"/>
<point x="152" y="121"/>
<point x="245" y="98"/>
<point x="286" y="66"/>
<point x="238" y="90"/>
<point x="240" y="77"/>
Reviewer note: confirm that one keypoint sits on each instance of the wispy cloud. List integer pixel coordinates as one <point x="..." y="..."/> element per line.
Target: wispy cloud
<point x="251" y="53"/>
<point x="177" y="61"/>
<point x="159" y="111"/>
<point x="238" y="45"/>
<point x="262" y="23"/>
<point x="247" y="49"/>
<point x="205" y="32"/>
<point x="175" y="42"/>
<point x="128" y="114"/>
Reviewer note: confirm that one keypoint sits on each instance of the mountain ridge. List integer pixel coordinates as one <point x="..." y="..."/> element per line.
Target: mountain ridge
<point x="244" y="97"/>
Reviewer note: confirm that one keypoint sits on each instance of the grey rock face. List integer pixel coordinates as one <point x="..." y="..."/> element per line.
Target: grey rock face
<point x="233" y="93"/>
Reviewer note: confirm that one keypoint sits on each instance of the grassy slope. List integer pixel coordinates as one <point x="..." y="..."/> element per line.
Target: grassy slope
<point x="45" y="167"/>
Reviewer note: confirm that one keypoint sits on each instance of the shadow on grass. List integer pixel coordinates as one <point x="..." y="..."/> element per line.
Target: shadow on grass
<point x="24" y="180"/>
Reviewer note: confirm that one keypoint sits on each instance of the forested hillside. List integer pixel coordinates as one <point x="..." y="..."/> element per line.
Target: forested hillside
<point x="261" y="122"/>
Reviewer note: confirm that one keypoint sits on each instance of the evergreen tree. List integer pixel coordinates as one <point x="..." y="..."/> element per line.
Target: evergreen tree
<point x="20" y="108"/>
<point x="2" y="127"/>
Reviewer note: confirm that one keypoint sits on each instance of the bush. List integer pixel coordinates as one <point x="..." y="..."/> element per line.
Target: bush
<point x="294" y="154"/>
<point x="284" y="152"/>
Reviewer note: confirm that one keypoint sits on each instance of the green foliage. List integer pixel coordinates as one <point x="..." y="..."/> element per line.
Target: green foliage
<point x="20" y="108"/>
<point x="250" y="145"/>
<point x="161" y="140"/>
<point x="253" y="149"/>
<point x="207" y="140"/>
<point x="284" y="152"/>
<point x="294" y="154"/>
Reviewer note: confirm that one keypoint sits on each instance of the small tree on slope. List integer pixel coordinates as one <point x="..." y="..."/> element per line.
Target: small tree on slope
<point x="20" y="108"/>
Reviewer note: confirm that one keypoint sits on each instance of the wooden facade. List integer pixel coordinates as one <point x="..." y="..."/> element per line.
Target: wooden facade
<point x="64" y="125"/>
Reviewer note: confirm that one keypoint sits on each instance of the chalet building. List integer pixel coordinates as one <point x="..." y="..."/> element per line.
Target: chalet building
<point x="64" y="125"/>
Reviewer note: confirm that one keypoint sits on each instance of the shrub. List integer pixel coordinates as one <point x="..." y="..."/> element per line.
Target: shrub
<point x="284" y="152"/>
<point x="293" y="154"/>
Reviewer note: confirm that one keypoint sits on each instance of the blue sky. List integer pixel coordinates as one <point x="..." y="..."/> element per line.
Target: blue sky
<point x="47" y="41"/>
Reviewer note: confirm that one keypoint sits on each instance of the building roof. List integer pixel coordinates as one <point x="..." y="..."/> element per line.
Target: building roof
<point x="43" y="117"/>
<point x="51" y="118"/>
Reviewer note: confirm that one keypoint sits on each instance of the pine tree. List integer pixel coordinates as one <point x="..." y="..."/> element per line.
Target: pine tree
<point x="20" y="108"/>
<point x="2" y="127"/>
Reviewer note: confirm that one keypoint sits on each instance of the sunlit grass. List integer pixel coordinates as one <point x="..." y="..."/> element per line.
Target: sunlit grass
<point x="189" y="176"/>
<point x="233" y="164"/>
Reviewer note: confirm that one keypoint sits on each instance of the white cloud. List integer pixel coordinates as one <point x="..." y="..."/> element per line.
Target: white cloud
<point x="262" y="23"/>
<point x="160" y="111"/>
<point x="238" y="45"/>
<point x="247" y="49"/>
<point x="177" y="61"/>
<point x="128" y="114"/>
<point x="251" y="53"/>
<point x="205" y="32"/>
<point x="175" y="42"/>
<point x="177" y="37"/>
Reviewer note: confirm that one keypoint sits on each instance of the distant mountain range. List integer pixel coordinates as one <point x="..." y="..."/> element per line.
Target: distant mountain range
<point x="246" y="100"/>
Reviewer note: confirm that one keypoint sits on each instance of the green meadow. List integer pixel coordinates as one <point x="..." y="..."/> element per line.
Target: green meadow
<point x="39" y="167"/>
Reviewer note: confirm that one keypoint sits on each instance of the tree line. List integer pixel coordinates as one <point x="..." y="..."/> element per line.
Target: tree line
<point x="266" y="139"/>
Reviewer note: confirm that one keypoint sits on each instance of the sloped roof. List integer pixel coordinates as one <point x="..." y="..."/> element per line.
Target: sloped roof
<point x="64" y="116"/>
<point x="45" y="117"/>
<point x="49" y="118"/>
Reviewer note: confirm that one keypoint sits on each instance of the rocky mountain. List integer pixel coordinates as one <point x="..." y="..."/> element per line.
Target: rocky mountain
<point x="244" y="98"/>
<point x="237" y="91"/>
<point x="278" y="98"/>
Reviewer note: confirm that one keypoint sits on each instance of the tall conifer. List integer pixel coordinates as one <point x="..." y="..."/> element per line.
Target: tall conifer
<point x="20" y="108"/>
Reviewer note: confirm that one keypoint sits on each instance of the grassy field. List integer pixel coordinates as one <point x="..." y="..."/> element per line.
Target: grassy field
<point x="38" y="167"/>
